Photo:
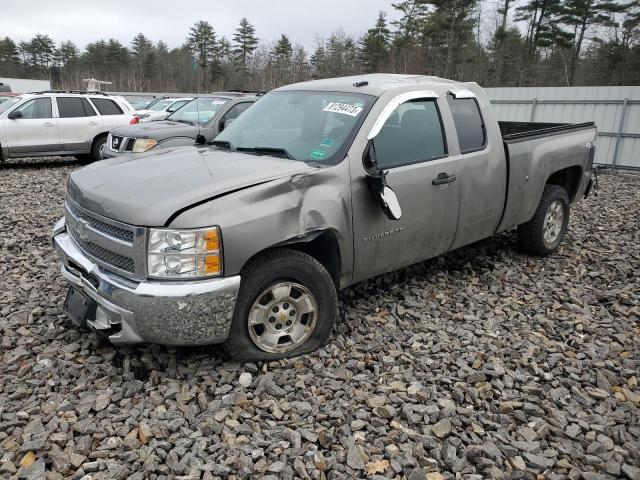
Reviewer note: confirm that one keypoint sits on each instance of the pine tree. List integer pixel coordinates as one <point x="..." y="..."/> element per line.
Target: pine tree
<point x="245" y="42"/>
<point x="449" y="30"/>
<point x="66" y="54"/>
<point x="202" y="43"/>
<point x="8" y="51"/>
<point x="375" y="45"/>
<point x="580" y="15"/>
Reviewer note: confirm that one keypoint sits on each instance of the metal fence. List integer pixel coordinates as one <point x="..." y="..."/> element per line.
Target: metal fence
<point x="616" y="111"/>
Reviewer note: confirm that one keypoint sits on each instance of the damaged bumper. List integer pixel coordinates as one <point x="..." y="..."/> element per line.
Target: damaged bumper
<point x="171" y="313"/>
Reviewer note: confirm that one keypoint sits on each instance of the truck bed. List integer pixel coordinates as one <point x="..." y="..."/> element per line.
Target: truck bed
<point x="534" y="151"/>
<point x="518" y="131"/>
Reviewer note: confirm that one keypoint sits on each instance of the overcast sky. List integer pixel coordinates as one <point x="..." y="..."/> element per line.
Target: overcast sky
<point x="83" y="21"/>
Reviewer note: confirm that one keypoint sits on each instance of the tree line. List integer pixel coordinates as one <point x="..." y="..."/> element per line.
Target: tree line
<point x="516" y="43"/>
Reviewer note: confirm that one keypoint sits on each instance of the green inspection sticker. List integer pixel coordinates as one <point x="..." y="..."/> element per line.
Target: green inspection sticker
<point x="317" y="154"/>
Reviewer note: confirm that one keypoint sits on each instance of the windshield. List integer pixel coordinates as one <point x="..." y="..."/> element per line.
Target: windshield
<point x="301" y="125"/>
<point x="142" y="104"/>
<point x="7" y="102"/>
<point x="160" y="105"/>
<point x="199" y="111"/>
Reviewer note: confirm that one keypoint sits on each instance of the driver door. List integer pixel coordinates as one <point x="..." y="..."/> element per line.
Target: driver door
<point x="35" y="132"/>
<point x="412" y="147"/>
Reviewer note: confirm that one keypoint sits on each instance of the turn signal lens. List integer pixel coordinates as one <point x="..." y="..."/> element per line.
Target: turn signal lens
<point x="212" y="265"/>
<point x="211" y="242"/>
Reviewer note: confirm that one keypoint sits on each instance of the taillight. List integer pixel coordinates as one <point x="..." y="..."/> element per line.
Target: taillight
<point x="134" y="120"/>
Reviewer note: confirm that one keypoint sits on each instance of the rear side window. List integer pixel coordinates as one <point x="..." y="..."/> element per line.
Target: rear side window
<point x="36" y="108"/>
<point x="472" y="134"/>
<point x="74" y="107"/>
<point x="413" y="133"/>
<point x="106" y="106"/>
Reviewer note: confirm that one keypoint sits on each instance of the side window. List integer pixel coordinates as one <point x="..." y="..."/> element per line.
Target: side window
<point x="235" y="111"/>
<point x="106" y="106"/>
<point x="413" y="133"/>
<point x="36" y="108"/>
<point x="470" y="127"/>
<point x="74" y="107"/>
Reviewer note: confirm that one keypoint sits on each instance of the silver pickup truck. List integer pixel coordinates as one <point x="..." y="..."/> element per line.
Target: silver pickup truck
<point x="318" y="186"/>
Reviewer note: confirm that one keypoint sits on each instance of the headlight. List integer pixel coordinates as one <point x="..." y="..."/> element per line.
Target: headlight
<point x="184" y="253"/>
<point x="143" y="144"/>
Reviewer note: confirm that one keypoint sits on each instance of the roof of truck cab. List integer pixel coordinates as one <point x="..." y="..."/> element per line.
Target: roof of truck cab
<point x="377" y="83"/>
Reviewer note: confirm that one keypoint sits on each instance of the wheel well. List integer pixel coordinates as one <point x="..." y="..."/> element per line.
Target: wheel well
<point x="567" y="178"/>
<point x="100" y="135"/>
<point x="322" y="246"/>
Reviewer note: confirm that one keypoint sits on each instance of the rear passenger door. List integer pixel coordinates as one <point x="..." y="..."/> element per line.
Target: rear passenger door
<point x="412" y="147"/>
<point x="36" y="131"/>
<point x="78" y="123"/>
<point x="111" y="114"/>
<point x="483" y="174"/>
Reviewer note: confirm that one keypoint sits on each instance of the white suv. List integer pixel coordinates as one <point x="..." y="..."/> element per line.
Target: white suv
<point x="60" y="123"/>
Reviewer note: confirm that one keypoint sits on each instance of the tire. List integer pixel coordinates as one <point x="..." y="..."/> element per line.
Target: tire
<point x="309" y="284"/>
<point x="543" y="234"/>
<point x="99" y="144"/>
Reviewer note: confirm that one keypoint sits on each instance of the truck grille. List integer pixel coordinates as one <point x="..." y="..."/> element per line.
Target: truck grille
<point x="106" y="256"/>
<point x="118" y="143"/>
<point x="116" y="246"/>
<point x="121" y="233"/>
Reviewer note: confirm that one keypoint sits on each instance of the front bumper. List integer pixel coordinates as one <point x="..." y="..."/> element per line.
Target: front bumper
<point x="170" y="313"/>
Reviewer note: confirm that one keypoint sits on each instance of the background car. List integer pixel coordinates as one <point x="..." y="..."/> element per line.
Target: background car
<point x="205" y="116"/>
<point x="60" y="123"/>
<point x="5" y="96"/>
<point x="161" y="108"/>
<point x="143" y="103"/>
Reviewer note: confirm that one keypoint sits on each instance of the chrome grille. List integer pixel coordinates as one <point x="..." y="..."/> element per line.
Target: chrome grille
<point x="116" y="246"/>
<point x="121" y="233"/>
<point x="111" y="258"/>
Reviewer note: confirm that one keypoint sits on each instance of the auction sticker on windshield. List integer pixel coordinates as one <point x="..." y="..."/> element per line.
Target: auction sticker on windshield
<point x="343" y="108"/>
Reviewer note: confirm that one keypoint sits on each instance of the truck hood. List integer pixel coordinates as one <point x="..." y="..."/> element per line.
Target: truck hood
<point x="146" y="190"/>
<point x="158" y="130"/>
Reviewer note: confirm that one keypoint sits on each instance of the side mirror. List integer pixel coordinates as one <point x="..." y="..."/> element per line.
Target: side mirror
<point x="201" y="140"/>
<point x="377" y="180"/>
<point x="16" y="114"/>
<point x="390" y="204"/>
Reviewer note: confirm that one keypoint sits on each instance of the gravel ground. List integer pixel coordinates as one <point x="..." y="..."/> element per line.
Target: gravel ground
<point x="480" y="364"/>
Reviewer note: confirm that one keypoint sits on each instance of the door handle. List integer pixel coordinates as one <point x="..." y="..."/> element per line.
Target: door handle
<point x="93" y="123"/>
<point x="47" y="124"/>
<point x="443" y="179"/>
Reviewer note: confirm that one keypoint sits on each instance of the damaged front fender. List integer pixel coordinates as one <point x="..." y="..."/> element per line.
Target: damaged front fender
<point x="279" y="212"/>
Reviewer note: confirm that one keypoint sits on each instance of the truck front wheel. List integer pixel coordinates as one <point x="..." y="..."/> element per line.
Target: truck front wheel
<point x="286" y="306"/>
<point x="544" y="232"/>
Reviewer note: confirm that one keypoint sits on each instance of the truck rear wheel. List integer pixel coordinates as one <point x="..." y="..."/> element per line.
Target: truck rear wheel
<point x="544" y="232"/>
<point x="286" y="307"/>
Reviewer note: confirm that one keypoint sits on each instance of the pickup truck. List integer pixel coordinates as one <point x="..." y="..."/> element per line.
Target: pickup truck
<point x="318" y="186"/>
<point x="200" y="120"/>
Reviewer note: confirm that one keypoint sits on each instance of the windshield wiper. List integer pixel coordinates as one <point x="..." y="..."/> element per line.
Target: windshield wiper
<point x="221" y="144"/>
<point x="269" y="151"/>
